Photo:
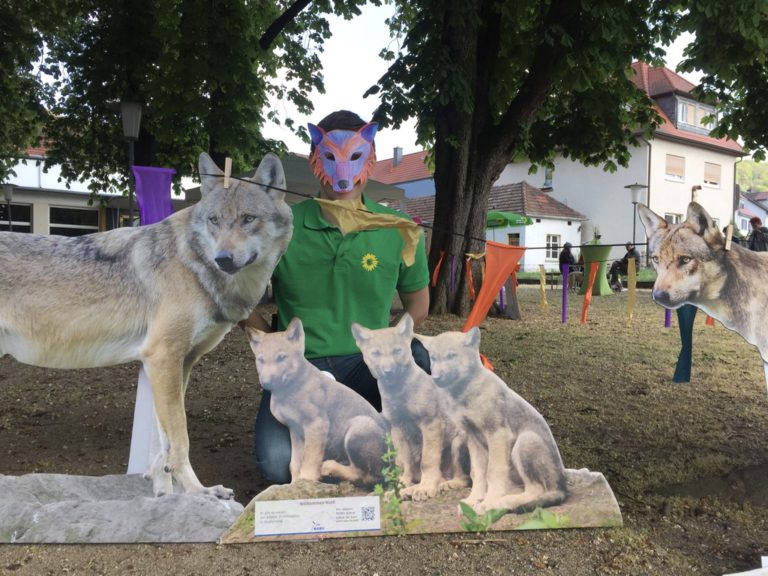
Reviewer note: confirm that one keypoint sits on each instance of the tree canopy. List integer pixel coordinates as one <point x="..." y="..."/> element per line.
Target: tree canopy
<point x="196" y="66"/>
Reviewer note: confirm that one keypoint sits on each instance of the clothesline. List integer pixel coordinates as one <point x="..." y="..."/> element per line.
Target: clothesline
<point x="421" y="224"/>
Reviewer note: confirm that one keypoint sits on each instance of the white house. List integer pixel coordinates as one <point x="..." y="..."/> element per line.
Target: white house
<point x="680" y="163"/>
<point x="550" y="222"/>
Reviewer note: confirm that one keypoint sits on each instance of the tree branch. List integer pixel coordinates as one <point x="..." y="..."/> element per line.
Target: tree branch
<point x="282" y="21"/>
<point x="534" y="89"/>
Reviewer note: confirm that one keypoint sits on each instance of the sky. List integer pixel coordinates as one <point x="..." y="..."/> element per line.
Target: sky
<point x="351" y="65"/>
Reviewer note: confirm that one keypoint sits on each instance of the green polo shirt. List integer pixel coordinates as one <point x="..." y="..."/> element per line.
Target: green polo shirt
<point x="329" y="280"/>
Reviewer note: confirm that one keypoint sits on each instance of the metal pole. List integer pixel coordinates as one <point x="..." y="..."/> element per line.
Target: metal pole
<point x="131" y="182"/>
<point x="634" y="221"/>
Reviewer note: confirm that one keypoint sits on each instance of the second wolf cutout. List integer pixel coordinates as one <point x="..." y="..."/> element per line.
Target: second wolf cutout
<point x="693" y="267"/>
<point x="334" y="431"/>
<point x="428" y="443"/>
<point x="509" y="442"/>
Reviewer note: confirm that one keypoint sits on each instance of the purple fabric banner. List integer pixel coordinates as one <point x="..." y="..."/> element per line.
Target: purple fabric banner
<point x="566" y="270"/>
<point x="153" y="193"/>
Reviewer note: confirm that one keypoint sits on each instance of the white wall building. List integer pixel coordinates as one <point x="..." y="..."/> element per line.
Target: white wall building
<point x="678" y="159"/>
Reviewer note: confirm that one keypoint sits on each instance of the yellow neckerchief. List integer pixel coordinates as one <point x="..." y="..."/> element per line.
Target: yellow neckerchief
<point x="352" y="215"/>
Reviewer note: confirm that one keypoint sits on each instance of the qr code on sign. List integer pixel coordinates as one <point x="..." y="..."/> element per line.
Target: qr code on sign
<point x="368" y="513"/>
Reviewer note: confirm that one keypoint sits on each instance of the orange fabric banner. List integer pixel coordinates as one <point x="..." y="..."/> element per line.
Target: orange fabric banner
<point x="593" y="266"/>
<point x="500" y="261"/>
<point x="437" y="269"/>
<point x="470" y="281"/>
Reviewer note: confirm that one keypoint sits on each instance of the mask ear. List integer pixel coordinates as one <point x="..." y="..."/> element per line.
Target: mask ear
<point x="368" y="132"/>
<point x="316" y="134"/>
<point x="652" y="221"/>
<point x="210" y="174"/>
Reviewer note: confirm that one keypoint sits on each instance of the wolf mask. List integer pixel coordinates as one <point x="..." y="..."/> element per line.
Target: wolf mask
<point x="343" y="159"/>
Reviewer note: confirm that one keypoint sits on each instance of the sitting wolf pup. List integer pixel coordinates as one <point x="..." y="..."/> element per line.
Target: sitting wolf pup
<point x="693" y="267"/>
<point x="334" y="431"/>
<point x="163" y="294"/>
<point x="422" y="431"/>
<point x="509" y="442"/>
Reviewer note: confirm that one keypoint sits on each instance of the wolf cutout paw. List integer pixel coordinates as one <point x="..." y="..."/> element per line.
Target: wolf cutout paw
<point x="421" y="491"/>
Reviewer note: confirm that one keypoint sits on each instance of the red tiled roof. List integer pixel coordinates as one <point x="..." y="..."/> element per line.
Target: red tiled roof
<point x="521" y="198"/>
<point x="660" y="81"/>
<point x="411" y="167"/>
<point x="756" y="196"/>
<point x="667" y="128"/>
<point x="36" y="151"/>
<point x="531" y="201"/>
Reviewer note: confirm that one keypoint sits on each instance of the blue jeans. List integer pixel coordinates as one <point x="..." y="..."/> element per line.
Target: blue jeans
<point x="272" y="440"/>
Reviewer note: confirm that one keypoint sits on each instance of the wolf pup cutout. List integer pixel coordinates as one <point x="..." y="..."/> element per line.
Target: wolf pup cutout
<point x="163" y="294"/>
<point x="693" y="267"/>
<point x="510" y="444"/>
<point x="334" y="431"/>
<point x="428" y="444"/>
<point x="343" y="158"/>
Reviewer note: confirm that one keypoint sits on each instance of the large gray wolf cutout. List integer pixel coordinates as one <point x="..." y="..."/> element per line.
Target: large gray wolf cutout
<point x="164" y="294"/>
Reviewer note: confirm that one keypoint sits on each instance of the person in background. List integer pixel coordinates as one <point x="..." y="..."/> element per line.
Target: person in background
<point x="329" y="280"/>
<point x="619" y="267"/>
<point x="566" y="257"/>
<point x="757" y="239"/>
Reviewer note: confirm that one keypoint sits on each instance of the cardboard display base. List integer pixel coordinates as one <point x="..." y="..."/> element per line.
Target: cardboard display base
<point x="590" y="504"/>
<point x="64" y="509"/>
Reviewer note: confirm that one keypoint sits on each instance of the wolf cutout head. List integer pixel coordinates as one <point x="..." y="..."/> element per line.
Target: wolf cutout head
<point x="343" y="159"/>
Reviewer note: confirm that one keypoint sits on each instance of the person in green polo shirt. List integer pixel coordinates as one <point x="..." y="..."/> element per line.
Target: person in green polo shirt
<point x="329" y="280"/>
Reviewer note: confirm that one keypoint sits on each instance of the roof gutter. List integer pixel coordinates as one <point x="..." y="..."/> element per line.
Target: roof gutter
<point x="648" y="193"/>
<point x="736" y="191"/>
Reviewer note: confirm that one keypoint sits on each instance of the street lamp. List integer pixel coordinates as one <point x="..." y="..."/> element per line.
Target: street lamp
<point x="130" y="112"/>
<point x="637" y="194"/>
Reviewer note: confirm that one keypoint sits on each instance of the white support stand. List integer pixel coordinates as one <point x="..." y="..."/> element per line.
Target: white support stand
<point x="145" y="438"/>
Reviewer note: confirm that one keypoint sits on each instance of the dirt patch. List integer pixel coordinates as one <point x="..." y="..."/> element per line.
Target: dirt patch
<point x="605" y="388"/>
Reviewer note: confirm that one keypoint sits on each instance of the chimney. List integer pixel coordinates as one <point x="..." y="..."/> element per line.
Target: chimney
<point x="397" y="156"/>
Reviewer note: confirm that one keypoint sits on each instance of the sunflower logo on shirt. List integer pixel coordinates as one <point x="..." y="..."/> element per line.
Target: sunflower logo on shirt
<point x="370" y="262"/>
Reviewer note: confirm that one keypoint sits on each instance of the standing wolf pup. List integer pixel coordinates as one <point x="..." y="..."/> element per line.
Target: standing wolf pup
<point x="509" y="442"/>
<point x="427" y="442"/>
<point x="693" y="267"/>
<point x="164" y="294"/>
<point x="334" y="431"/>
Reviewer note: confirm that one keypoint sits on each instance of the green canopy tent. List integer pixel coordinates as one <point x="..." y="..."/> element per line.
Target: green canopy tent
<point x="499" y="219"/>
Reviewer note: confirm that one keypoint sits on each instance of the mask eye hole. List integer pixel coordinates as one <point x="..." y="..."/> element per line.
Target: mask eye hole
<point x="329" y="156"/>
<point x="356" y="155"/>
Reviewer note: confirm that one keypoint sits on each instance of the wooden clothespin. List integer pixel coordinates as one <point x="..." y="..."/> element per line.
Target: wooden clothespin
<point x="728" y="236"/>
<point x="227" y="171"/>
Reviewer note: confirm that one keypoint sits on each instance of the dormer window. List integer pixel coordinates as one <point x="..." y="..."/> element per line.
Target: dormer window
<point x="691" y="116"/>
